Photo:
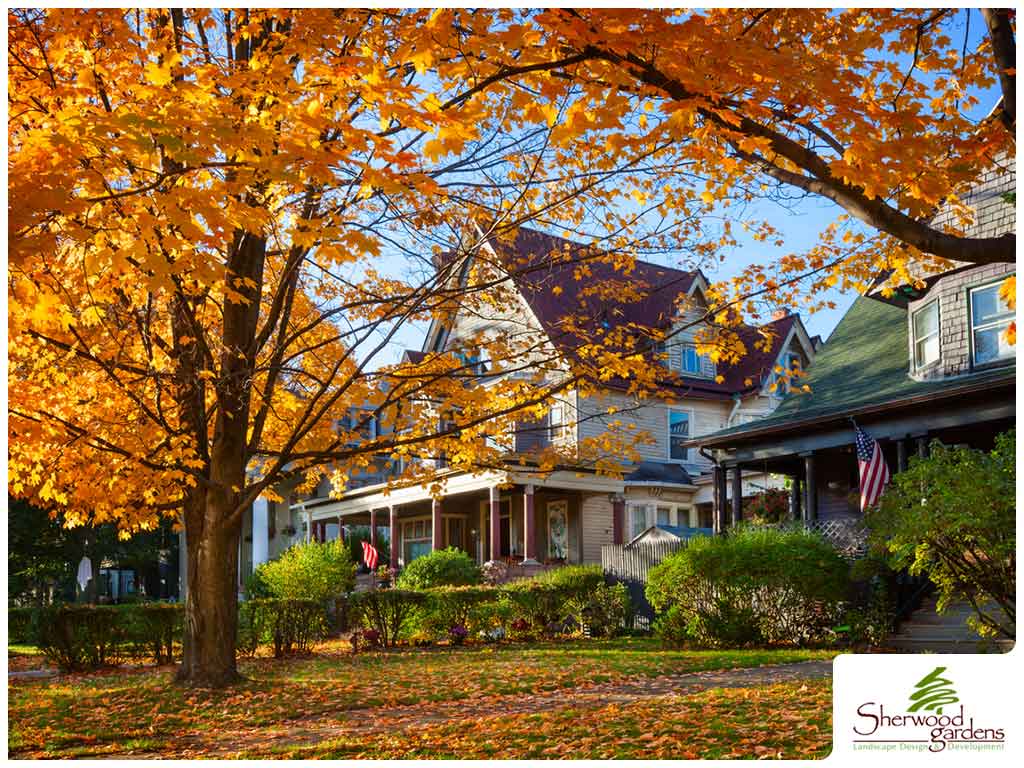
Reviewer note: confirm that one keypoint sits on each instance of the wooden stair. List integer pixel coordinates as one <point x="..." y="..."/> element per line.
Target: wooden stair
<point x="928" y="631"/>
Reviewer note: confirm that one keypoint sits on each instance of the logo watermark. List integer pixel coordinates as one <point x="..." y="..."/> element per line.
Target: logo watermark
<point x="932" y="715"/>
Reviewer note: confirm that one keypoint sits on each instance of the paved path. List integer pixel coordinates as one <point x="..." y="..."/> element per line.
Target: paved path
<point x="299" y="733"/>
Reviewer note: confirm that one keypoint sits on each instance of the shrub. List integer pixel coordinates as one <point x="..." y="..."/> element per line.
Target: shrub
<point x="603" y="610"/>
<point x="153" y="630"/>
<point x="388" y="611"/>
<point x="752" y="587"/>
<point x="440" y="568"/>
<point x="572" y="578"/>
<point x="554" y="601"/>
<point x="309" y="571"/>
<point x="952" y="518"/>
<point x="447" y="607"/>
<point x="78" y="637"/>
<point x="19" y="625"/>
<point x="291" y="626"/>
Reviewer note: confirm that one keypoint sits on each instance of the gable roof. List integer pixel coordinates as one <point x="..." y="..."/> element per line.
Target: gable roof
<point x="554" y="294"/>
<point x="864" y="364"/>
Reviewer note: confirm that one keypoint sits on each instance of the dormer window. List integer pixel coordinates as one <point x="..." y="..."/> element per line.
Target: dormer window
<point x="925" y="323"/>
<point x="990" y="318"/>
<point x="694" y="364"/>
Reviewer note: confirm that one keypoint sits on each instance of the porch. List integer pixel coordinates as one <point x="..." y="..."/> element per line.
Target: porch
<point x="820" y="459"/>
<point x="524" y="521"/>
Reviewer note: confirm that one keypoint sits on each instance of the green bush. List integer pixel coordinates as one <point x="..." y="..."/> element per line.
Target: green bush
<point x="952" y="518"/>
<point x="448" y="607"/>
<point x="752" y="587"/>
<point x="78" y="637"/>
<point x="309" y="571"/>
<point x="572" y="578"/>
<point x="290" y="626"/>
<point x="154" y="629"/>
<point x="441" y="568"/>
<point x="603" y="610"/>
<point x="19" y="625"/>
<point x="389" y="612"/>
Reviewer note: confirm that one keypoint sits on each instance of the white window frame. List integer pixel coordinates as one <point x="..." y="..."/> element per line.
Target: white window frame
<point x="668" y="433"/>
<point x="1000" y="323"/>
<point x="558" y="421"/>
<point x="647" y="509"/>
<point x="915" y="341"/>
<point x="699" y="373"/>
<point x="679" y="515"/>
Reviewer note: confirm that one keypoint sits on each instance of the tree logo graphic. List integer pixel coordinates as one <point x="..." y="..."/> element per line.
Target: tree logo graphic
<point x="933" y="692"/>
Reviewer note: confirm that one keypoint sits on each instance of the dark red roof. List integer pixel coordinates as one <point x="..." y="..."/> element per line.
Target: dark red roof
<point x="414" y="356"/>
<point x="544" y="271"/>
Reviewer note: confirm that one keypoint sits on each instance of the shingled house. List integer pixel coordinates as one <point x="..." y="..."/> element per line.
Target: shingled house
<point x="908" y="364"/>
<point x="568" y="514"/>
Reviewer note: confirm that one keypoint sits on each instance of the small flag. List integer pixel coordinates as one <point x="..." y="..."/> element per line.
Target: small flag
<point x="874" y="473"/>
<point x="370" y="555"/>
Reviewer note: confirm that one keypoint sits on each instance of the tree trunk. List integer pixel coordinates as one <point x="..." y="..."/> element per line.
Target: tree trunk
<point x="211" y="605"/>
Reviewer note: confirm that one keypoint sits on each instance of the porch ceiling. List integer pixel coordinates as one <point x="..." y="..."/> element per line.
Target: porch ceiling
<point x="361" y="501"/>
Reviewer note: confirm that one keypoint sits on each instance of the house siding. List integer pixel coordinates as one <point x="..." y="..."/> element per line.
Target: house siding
<point x="597" y="525"/>
<point x="652" y="417"/>
<point x="954" y="318"/>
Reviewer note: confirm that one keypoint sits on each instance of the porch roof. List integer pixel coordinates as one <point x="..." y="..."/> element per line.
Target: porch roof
<point x="380" y="496"/>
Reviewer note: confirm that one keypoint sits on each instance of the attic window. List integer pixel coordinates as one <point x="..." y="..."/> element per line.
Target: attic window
<point x="694" y="364"/>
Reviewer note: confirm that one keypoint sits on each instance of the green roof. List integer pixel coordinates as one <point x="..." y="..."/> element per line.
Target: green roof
<point x="864" y="363"/>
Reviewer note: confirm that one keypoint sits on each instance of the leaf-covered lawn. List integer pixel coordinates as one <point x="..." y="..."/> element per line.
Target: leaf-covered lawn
<point x="116" y="711"/>
<point x="784" y="720"/>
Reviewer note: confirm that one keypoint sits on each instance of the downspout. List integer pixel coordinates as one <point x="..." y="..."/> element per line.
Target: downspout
<point x="738" y="401"/>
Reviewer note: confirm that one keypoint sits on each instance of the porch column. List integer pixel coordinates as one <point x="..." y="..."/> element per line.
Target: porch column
<point x="309" y="526"/>
<point x="737" y="495"/>
<point x="495" y="523"/>
<point x="393" y="535"/>
<point x="901" y="455"/>
<point x="436" y="529"/>
<point x="260" y="533"/>
<point x="529" y="527"/>
<point x="341" y="530"/>
<point x="373" y="527"/>
<point x="794" y="498"/>
<point x="618" y="519"/>
<point x="922" y="446"/>
<point x="811" y="510"/>
<point x="718" y="514"/>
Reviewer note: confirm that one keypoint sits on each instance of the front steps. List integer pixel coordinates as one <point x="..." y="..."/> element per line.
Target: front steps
<point x="928" y="631"/>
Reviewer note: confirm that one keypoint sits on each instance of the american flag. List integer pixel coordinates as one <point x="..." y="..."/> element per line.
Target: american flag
<point x="874" y="473"/>
<point x="370" y="555"/>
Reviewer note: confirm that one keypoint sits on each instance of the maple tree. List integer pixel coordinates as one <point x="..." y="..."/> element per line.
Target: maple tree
<point x="201" y="200"/>
<point x="208" y="206"/>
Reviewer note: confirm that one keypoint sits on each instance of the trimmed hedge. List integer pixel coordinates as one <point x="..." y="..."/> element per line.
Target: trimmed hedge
<point x="567" y="600"/>
<point x="441" y="568"/>
<point x="291" y="626"/>
<point x="79" y="637"/>
<point x="388" y="612"/>
<point x="752" y="587"/>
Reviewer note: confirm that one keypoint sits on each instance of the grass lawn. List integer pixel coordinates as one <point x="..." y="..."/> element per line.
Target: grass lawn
<point x="111" y="712"/>
<point x="784" y="720"/>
